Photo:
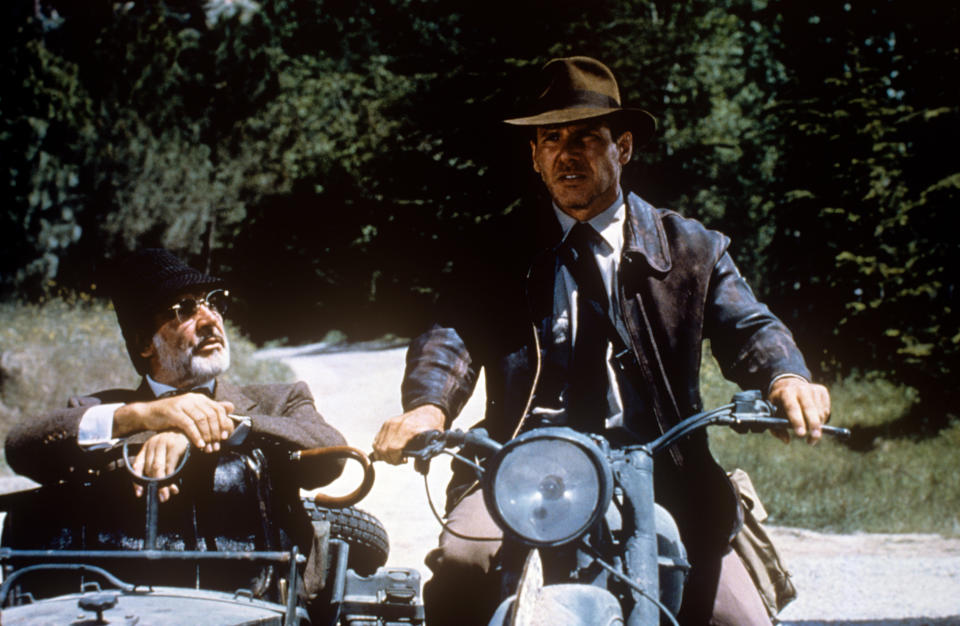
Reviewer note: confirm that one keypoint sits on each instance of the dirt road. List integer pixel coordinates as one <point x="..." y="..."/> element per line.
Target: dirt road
<point x="842" y="579"/>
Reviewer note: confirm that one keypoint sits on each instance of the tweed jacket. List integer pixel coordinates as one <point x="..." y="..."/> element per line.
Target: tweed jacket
<point x="283" y="418"/>
<point x="678" y="286"/>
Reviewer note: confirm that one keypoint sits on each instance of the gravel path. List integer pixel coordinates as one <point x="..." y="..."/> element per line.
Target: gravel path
<point x="871" y="578"/>
<point x="842" y="579"/>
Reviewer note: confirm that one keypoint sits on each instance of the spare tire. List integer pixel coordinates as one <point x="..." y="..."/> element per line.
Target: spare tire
<point x="366" y="536"/>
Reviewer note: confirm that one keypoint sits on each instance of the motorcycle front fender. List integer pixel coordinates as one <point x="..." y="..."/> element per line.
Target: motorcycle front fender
<point x="569" y="604"/>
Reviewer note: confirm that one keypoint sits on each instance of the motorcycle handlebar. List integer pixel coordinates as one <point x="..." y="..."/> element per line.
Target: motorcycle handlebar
<point x="748" y="412"/>
<point x="751" y="413"/>
<point x="430" y="443"/>
<point x="426" y="440"/>
<point x="756" y="424"/>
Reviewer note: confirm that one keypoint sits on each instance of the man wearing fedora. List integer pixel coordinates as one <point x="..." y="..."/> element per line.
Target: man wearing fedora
<point x="171" y="317"/>
<point x="597" y="324"/>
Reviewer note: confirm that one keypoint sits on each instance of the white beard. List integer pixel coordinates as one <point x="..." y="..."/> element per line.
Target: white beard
<point x="189" y="369"/>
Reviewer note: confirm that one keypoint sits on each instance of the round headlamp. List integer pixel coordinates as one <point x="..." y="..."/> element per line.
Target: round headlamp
<point x="548" y="486"/>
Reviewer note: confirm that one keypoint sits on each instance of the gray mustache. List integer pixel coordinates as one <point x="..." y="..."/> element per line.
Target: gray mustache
<point x="210" y="333"/>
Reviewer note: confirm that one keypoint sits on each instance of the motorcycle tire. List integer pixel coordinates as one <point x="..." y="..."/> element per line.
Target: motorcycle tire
<point x="366" y="536"/>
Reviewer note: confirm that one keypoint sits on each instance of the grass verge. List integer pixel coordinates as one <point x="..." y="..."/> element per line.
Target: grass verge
<point x="898" y="485"/>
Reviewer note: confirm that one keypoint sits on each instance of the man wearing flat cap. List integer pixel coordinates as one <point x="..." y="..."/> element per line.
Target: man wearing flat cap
<point x="171" y="316"/>
<point x="598" y="325"/>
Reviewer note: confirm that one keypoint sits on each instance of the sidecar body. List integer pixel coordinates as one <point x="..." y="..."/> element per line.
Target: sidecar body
<point x="225" y="552"/>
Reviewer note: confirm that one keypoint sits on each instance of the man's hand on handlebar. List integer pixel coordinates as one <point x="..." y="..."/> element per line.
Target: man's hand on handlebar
<point x="397" y="431"/>
<point x="159" y="457"/>
<point x="805" y="404"/>
<point x="203" y="420"/>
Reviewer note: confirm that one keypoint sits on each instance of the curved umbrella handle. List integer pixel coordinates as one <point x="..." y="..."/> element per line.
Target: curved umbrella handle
<point x="345" y="452"/>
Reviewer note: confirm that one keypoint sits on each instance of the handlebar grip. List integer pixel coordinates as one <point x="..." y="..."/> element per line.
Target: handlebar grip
<point x="749" y="406"/>
<point x="423" y="447"/>
<point x="751" y="402"/>
<point x="759" y="423"/>
<point x="836" y="431"/>
<point x="422" y="441"/>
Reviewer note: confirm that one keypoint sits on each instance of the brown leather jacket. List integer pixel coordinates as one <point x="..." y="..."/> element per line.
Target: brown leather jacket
<point x="679" y="286"/>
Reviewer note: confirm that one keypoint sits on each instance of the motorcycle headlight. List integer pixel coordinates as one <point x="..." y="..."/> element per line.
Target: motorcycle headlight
<point x="548" y="486"/>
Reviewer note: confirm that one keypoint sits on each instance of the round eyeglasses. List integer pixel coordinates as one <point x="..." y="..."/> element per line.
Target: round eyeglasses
<point x="216" y="300"/>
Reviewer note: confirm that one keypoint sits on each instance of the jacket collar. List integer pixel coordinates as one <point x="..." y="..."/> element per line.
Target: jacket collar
<point x="223" y="391"/>
<point x="227" y="391"/>
<point x="159" y="389"/>
<point x="144" y="392"/>
<point x="644" y="236"/>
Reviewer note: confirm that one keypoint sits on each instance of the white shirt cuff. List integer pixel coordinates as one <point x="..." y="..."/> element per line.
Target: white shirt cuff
<point x="96" y="425"/>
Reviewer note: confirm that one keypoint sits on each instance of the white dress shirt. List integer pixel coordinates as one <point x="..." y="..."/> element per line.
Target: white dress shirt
<point x="609" y="224"/>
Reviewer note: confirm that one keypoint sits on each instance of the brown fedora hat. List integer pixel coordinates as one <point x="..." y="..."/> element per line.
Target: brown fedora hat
<point x="580" y="88"/>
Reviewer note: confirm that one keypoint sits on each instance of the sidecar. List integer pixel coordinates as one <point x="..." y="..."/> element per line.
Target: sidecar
<point x="232" y="548"/>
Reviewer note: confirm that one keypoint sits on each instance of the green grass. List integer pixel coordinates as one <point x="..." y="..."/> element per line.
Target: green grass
<point x="66" y="347"/>
<point x="899" y="485"/>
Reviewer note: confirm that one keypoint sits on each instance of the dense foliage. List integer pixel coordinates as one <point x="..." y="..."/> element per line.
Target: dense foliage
<point x="331" y="156"/>
<point x="863" y="245"/>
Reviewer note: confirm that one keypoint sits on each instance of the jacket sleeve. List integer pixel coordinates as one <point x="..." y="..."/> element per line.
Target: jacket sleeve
<point x="44" y="448"/>
<point x="293" y="423"/>
<point x="439" y="371"/>
<point x="750" y="343"/>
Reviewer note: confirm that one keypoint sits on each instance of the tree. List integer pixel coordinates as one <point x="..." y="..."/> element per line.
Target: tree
<point x="344" y="151"/>
<point x="864" y="265"/>
<point x="46" y="125"/>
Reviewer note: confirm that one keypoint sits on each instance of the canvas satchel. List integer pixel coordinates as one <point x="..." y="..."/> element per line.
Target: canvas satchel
<point x="755" y="548"/>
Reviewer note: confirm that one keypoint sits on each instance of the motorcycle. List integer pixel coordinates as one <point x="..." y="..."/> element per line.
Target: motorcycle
<point x="220" y="552"/>
<point x="584" y="513"/>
